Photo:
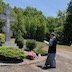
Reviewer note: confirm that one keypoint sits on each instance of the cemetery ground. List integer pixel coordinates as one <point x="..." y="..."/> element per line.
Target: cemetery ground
<point x="64" y="62"/>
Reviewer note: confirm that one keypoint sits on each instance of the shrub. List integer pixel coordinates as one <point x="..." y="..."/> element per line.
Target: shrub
<point x="20" y="41"/>
<point x="2" y="38"/>
<point x="11" y="54"/>
<point x="30" y="44"/>
<point x="41" y="51"/>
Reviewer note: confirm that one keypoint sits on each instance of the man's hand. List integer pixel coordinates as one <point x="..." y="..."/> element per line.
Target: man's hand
<point x="46" y="42"/>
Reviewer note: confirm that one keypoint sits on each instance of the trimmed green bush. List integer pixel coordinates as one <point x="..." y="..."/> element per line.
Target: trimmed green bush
<point x="20" y="41"/>
<point x="30" y="44"/>
<point x="11" y="54"/>
<point x="41" y="51"/>
<point x="2" y="38"/>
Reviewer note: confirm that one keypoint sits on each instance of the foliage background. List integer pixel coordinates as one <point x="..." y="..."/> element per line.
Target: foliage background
<point x="34" y="25"/>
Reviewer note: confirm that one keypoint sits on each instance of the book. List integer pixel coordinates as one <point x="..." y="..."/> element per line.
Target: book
<point x="46" y="42"/>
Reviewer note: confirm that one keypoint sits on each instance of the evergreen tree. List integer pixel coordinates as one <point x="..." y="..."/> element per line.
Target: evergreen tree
<point x="67" y="32"/>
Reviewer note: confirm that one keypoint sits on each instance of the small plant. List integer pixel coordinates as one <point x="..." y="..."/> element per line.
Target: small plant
<point x="41" y="51"/>
<point x="20" y="41"/>
<point x="30" y="44"/>
<point x="11" y="54"/>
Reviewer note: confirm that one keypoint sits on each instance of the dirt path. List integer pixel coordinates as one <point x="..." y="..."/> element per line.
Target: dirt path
<point x="65" y="53"/>
<point x="64" y="62"/>
<point x="25" y="68"/>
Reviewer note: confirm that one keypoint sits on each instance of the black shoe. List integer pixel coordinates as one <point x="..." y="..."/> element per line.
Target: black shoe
<point x="52" y="67"/>
<point x="44" y="67"/>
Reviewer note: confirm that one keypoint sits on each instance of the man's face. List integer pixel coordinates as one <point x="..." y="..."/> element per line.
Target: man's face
<point x="51" y="36"/>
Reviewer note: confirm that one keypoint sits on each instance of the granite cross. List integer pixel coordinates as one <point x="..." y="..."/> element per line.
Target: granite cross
<point x="7" y="18"/>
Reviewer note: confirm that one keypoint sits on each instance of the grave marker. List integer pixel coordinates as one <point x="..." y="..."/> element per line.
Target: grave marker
<point x="7" y="18"/>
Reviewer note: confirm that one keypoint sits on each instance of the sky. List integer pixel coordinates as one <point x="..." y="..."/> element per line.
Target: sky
<point x="48" y="7"/>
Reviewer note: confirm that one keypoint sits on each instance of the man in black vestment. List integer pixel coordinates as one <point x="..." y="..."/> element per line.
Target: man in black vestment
<point x="51" y="58"/>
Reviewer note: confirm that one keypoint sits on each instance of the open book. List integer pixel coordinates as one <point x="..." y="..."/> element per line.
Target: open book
<point x="46" y="42"/>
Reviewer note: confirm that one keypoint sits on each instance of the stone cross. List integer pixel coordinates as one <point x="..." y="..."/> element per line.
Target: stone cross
<point x="7" y="18"/>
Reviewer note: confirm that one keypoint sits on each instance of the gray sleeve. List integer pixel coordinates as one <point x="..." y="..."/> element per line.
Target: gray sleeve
<point x="51" y="42"/>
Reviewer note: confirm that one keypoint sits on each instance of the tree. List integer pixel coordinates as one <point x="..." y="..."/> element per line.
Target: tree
<point x="41" y="28"/>
<point x="67" y="32"/>
<point x="50" y="26"/>
<point x="19" y="39"/>
<point x="59" y="24"/>
<point x="19" y="25"/>
<point x="50" y="23"/>
<point x="34" y="25"/>
<point x="2" y="5"/>
<point x="34" y="20"/>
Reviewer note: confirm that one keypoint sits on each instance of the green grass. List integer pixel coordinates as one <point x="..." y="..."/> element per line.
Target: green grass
<point x="12" y="40"/>
<point x="42" y="45"/>
<point x="39" y="44"/>
<point x="64" y="47"/>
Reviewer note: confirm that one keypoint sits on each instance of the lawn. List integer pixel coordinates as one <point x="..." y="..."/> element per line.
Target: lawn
<point x="39" y="44"/>
<point x="64" y="47"/>
<point x="42" y="44"/>
<point x="12" y="40"/>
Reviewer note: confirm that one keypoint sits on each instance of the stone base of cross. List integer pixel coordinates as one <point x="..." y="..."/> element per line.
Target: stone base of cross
<point x="11" y="44"/>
